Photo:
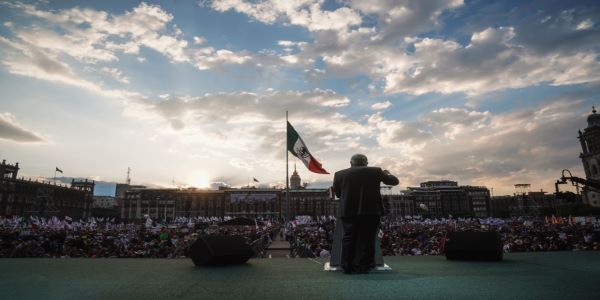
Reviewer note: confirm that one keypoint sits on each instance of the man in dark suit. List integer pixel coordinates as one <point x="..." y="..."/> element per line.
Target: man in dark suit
<point x="361" y="206"/>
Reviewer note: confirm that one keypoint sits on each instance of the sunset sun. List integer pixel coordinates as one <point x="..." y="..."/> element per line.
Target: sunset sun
<point x="200" y="181"/>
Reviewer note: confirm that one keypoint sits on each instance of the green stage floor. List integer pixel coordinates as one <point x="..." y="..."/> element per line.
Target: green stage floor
<point x="549" y="275"/>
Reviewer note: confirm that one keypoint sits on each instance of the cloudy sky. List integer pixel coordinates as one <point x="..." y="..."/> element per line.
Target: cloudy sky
<point x="483" y="92"/>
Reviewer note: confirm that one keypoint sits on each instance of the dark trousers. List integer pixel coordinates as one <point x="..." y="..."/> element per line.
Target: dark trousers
<point x="358" y="243"/>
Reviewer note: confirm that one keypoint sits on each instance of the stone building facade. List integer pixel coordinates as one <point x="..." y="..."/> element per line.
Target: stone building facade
<point x="266" y="203"/>
<point x="41" y="198"/>
<point x="444" y="198"/>
<point x="590" y="156"/>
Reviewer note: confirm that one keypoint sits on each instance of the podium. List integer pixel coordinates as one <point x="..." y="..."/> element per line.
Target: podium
<point x="335" y="260"/>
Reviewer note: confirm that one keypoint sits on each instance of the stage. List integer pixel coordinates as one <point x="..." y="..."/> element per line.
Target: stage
<point x="547" y="275"/>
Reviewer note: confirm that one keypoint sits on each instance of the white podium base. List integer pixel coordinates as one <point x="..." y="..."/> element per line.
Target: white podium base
<point x="329" y="268"/>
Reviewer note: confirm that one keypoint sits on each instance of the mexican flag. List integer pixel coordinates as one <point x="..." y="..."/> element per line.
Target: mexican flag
<point x="297" y="147"/>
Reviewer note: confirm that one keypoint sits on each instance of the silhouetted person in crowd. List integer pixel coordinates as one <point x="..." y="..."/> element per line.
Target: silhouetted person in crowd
<point x="361" y="206"/>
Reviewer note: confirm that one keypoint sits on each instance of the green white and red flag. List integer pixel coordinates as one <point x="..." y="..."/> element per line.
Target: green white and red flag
<point x="297" y="147"/>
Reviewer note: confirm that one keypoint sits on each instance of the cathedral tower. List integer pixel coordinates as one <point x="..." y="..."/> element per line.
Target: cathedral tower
<point x="590" y="156"/>
<point x="295" y="181"/>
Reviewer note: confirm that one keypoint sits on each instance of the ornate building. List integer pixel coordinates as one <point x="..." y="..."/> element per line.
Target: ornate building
<point x="120" y="194"/>
<point x="400" y="205"/>
<point x="443" y="198"/>
<point x="311" y="202"/>
<point x="31" y="197"/>
<point x="266" y="203"/>
<point x="245" y="202"/>
<point x="590" y="156"/>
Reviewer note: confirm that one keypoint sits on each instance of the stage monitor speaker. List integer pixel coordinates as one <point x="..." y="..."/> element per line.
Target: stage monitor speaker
<point x="220" y="250"/>
<point x="473" y="246"/>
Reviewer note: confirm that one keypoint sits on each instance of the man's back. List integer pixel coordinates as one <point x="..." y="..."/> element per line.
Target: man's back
<point x="359" y="191"/>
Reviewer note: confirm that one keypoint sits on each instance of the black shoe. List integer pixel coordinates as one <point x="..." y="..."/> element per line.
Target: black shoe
<point x="348" y="270"/>
<point x="363" y="270"/>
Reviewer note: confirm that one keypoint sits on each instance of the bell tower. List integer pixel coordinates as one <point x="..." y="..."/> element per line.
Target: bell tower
<point x="590" y="156"/>
<point x="295" y="181"/>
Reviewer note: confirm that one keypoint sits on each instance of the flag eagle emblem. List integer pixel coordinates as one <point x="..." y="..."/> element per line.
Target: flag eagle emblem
<point x="298" y="148"/>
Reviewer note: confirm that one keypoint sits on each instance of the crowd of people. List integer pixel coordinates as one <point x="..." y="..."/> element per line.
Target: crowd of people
<point x="62" y="238"/>
<point x="308" y="237"/>
<point x="416" y="236"/>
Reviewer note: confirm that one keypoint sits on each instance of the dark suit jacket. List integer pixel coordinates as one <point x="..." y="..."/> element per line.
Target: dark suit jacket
<point x="359" y="192"/>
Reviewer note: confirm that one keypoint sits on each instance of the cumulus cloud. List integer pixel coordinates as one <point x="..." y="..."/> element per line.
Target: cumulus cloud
<point x="198" y="40"/>
<point x="564" y="32"/>
<point x="399" y="19"/>
<point x="91" y="36"/>
<point x="116" y="74"/>
<point x="478" y="147"/>
<point x="312" y="107"/>
<point x="12" y="130"/>
<point x="556" y="48"/>
<point x="379" y="39"/>
<point x="251" y="126"/>
<point x="384" y="42"/>
<point x="409" y="136"/>
<point x="304" y="13"/>
<point x="249" y="132"/>
<point x="381" y="105"/>
<point x="25" y="60"/>
<point x="140" y="26"/>
<point x="585" y="24"/>
<point x="208" y="58"/>
<point x="28" y="60"/>
<point x="491" y="61"/>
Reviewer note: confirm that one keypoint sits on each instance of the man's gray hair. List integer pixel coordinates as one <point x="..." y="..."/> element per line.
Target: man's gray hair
<point x="359" y="160"/>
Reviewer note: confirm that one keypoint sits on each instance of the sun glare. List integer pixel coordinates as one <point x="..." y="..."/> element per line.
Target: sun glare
<point x="200" y="181"/>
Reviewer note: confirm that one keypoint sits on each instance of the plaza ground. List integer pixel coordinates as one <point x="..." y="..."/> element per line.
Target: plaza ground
<point x="547" y="275"/>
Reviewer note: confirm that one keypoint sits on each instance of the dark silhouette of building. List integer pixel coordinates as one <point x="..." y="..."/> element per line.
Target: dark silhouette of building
<point x="311" y="202"/>
<point x="503" y="206"/>
<point x="590" y="156"/>
<point x="121" y="192"/>
<point x="39" y="198"/>
<point x="521" y="204"/>
<point x="268" y="203"/>
<point x="105" y="207"/>
<point x="444" y="198"/>
<point x="400" y="205"/>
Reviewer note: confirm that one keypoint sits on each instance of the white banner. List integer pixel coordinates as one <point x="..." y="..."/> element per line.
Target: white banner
<point x="252" y="198"/>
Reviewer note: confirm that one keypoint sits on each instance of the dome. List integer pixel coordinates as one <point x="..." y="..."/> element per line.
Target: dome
<point x="593" y="119"/>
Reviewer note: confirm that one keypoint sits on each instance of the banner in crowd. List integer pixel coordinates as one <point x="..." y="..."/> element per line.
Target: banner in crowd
<point x="252" y="198"/>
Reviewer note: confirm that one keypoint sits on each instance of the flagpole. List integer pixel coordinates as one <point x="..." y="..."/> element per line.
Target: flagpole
<point x="55" y="176"/>
<point x="287" y="185"/>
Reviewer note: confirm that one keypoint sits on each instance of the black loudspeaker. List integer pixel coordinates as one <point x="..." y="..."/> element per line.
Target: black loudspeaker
<point x="220" y="250"/>
<point x="473" y="246"/>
